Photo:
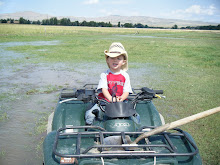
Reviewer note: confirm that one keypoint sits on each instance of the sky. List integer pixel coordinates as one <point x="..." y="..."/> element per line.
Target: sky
<point x="196" y="10"/>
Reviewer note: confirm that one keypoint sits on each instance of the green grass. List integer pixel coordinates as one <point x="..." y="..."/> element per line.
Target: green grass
<point x="3" y="116"/>
<point x="46" y="89"/>
<point x="189" y="66"/>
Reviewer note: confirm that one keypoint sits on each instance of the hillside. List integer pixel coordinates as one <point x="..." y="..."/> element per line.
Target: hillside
<point x="114" y="19"/>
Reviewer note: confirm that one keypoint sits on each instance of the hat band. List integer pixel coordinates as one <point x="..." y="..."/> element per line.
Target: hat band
<point x="114" y="52"/>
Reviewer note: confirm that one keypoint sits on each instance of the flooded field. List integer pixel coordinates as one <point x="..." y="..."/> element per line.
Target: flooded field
<point x="29" y="92"/>
<point x="147" y="36"/>
<point x="36" y="62"/>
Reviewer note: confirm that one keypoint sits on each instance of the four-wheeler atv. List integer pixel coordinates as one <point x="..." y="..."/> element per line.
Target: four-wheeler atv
<point x="109" y="139"/>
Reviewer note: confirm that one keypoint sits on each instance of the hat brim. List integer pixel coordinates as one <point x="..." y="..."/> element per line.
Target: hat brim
<point x="113" y="54"/>
<point x="116" y="54"/>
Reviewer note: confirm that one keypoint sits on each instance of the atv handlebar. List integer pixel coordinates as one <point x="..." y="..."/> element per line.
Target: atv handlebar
<point x="151" y="91"/>
<point x="91" y="94"/>
<point x="158" y="91"/>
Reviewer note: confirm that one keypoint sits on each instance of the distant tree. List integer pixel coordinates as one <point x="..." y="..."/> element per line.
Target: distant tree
<point x="84" y="23"/>
<point x="109" y="24"/>
<point x="10" y="20"/>
<point x="92" y="24"/>
<point x="68" y="22"/>
<point x="119" y="24"/>
<point x="128" y="25"/>
<point x="175" y="27"/>
<point x="53" y="21"/>
<point x="210" y="27"/>
<point x="3" y="21"/>
<point x="76" y="23"/>
<point x="22" y="20"/>
<point x="139" y="25"/>
<point x="101" y="24"/>
<point x="45" y="22"/>
<point x="65" y="22"/>
<point x="36" y="22"/>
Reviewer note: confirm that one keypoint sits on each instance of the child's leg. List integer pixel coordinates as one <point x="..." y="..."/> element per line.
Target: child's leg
<point x="136" y="118"/>
<point x="90" y="116"/>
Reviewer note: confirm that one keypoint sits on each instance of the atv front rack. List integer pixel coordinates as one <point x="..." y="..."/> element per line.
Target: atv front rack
<point x="167" y="146"/>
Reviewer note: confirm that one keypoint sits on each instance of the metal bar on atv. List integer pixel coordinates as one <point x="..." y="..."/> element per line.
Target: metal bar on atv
<point x="124" y="141"/>
<point x="63" y="101"/>
<point x="189" y="140"/>
<point x="170" y="142"/>
<point x="128" y="146"/>
<point x="81" y="127"/>
<point x="128" y="153"/>
<point x="78" y="144"/>
<point x="89" y="84"/>
<point x="101" y="139"/>
<point x="112" y="154"/>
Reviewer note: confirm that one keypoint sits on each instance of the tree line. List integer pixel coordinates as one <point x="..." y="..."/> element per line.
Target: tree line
<point x="210" y="27"/>
<point x="67" y="22"/>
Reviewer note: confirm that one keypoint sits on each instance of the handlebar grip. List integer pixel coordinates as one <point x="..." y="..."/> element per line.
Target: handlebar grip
<point x="158" y="91"/>
<point x="68" y="95"/>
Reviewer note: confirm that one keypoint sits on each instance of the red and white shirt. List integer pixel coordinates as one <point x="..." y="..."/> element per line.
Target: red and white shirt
<point x="110" y="80"/>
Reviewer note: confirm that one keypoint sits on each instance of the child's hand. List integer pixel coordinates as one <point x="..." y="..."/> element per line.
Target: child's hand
<point x="114" y="99"/>
<point x="119" y="99"/>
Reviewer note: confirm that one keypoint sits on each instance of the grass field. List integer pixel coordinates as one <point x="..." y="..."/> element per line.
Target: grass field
<point x="188" y="63"/>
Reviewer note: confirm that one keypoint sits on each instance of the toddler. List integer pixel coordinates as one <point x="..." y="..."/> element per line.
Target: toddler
<point x="113" y="82"/>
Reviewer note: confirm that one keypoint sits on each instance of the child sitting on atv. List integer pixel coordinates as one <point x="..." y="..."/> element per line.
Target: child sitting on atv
<point x="113" y="82"/>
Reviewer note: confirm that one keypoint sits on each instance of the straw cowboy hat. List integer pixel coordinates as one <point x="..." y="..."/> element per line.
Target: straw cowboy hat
<point x="117" y="49"/>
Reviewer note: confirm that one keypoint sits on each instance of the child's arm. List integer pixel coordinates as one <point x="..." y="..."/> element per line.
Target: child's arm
<point x="107" y="94"/>
<point x="109" y="97"/>
<point x="123" y="96"/>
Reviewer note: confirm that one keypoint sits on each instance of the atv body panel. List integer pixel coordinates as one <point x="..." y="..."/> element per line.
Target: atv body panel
<point x="71" y="139"/>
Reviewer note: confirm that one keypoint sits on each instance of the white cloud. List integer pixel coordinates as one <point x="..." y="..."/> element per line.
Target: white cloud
<point x="211" y="10"/>
<point x="90" y="2"/>
<point x="197" y="9"/>
<point x="120" y="2"/>
<point x="194" y="12"/>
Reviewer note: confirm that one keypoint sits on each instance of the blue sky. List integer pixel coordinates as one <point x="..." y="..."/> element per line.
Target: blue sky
<point x="200" y="10"/>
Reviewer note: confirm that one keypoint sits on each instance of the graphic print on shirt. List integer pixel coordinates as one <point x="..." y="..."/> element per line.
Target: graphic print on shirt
<point x="119" y="80"/>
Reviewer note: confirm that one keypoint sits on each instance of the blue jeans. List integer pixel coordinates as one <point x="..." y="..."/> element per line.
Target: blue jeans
<point x="89" y="116"/>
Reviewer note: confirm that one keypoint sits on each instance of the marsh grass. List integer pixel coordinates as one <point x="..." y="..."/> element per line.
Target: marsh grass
<point x="2" y="153"/>
<point x="3" y="116"/>
<point x="47" y="89"/>
<point x="188" y="62"/>
<point x="39" y="130"/>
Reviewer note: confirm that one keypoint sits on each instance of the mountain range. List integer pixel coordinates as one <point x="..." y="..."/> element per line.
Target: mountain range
<point x="114" y="19"/>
